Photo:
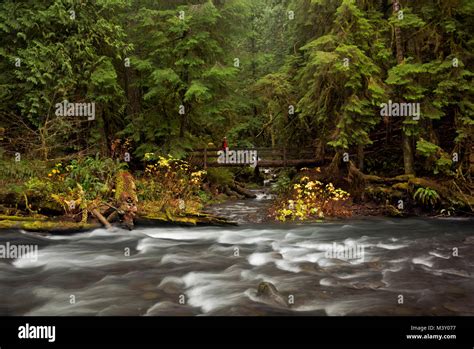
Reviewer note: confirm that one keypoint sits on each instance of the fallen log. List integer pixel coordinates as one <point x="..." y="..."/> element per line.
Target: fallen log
<point x="242" y="191"/>
<point x="162" y="218"/>
<point x="23" y="218"/>
<point x="101" y="218"/>
<point x="390" y="180"/>
<point x="230" y="192"/>
<point x="47" y="226"/>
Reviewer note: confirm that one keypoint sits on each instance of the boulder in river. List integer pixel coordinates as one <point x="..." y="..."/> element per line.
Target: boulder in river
<point x="469" y="240"/>
<point x="268" y="292"/>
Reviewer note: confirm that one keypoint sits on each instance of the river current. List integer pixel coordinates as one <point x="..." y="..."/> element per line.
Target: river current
<point x="216" y="270"/>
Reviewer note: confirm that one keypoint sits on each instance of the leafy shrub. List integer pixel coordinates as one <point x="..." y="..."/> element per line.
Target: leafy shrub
<point x="312" y="199"/>
<point x="220" y="176"/>
<point x="204" y="196"/>
<point x="169" y="182"/>
<point x="283" y="183"/>
<point x="94" y="175"/>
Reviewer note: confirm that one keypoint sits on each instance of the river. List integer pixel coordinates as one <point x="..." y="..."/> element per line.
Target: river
<point x="216" y="270"/>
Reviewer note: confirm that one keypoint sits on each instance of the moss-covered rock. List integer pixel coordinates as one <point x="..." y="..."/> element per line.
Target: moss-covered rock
<point x="392" y="211"/>
<point x="401" y="186"/>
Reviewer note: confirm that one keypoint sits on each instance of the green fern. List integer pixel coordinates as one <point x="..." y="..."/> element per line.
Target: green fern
<point x="426" y="196"/>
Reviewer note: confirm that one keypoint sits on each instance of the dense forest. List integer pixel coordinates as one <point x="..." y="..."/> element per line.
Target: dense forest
<point x="378" y="88"/>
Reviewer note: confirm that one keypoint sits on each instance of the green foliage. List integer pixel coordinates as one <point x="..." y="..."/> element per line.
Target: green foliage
<point x="246" y="69"/>
<point x="282" y="184"/>
<point x="407" y="20"/>
<point x="220" y="176"/>
<point x="39" y="186"/>
<point x="426" y="196"/>
<point x="11" y="170"/>
<point x="94" y="174"/>
<point x="61" y="58"/>
<point x="344" y="67"/>
<point x="426" y="148"/>
<point x="342" y="85"/>
<point x="204" y="196"/>
<point x="187" y="73"/>
<point x="439" y="160"/>
<point x="169" y="184"/>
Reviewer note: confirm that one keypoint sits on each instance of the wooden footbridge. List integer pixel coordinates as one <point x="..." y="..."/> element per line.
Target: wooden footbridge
<point x="261" y="157"/>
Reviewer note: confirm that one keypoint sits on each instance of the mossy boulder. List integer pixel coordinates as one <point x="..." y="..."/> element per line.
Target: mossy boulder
<point x="269" y="293"/>
<point x="392" y="211"/>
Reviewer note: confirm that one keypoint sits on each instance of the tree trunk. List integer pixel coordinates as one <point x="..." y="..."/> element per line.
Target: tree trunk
<point x="101" y="218"/>
<point x="408" y="160"/>
<point x="360" y="157"/>
<point x="272" y="132"/>
<point x="334" y="170"/>
<point x="182" y="126"/>
<point x="106" y="131"/>
<point x="398" y="33"/>
<point x="183" y="123"/>
<point x="44" y="146"/>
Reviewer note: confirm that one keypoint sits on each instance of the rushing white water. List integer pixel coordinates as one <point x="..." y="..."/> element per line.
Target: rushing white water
<point x="216" y="270"/>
